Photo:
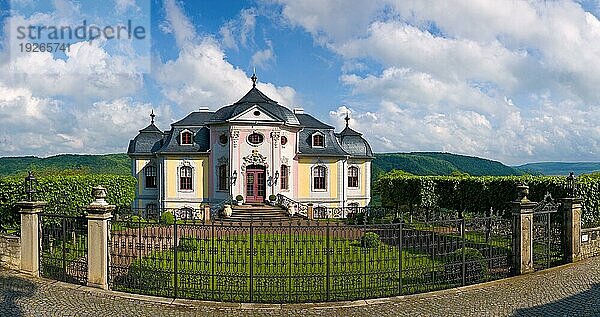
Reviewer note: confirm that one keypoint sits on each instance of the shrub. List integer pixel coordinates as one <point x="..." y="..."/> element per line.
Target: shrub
<point x="135" y="221"/>
<point x="475" y="264"/>
<point x="167" y="218"/>
<point x="188" y="244"/>
<point x="272" y="197"/>
<point x="370" y="240"/>
<point x="239" y="198"/>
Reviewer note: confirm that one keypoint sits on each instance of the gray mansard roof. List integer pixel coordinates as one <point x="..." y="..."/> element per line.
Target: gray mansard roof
<point x="252" y="98"/>
<point x="152" y="140"/>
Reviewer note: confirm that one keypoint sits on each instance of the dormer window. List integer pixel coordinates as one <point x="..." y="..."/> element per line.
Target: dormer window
<point x="186" y="138"/>
<point x="318" y="140"/>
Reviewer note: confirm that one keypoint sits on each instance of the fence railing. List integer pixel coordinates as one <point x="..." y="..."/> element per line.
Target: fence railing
<point x="63" y="248"/>
<point x="304" y="261"/>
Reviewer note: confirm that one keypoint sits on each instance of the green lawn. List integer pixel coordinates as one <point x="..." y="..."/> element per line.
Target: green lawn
<point x="286" y="268"/>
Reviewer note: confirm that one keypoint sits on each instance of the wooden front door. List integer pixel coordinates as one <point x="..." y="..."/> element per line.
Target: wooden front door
<point x="255" y="184"/>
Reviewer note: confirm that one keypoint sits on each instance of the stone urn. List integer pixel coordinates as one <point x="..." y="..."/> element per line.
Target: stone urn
<point x="291" y="209"/>
<point x="523" y="191"/>
<point x="227" y="211"/>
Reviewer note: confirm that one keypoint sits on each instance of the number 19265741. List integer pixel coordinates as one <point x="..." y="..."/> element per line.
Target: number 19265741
<point x="44" y="47"/>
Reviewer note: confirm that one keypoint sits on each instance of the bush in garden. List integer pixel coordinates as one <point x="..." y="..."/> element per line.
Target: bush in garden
<point x="167" y="218"/>
<point x="189" y="244"/>
<point x="475" y="264"/>
<point x="370" y="240"/>
<point x="66" y="194"/>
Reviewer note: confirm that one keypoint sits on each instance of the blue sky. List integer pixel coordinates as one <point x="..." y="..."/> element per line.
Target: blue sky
<point x="508" y="80"/>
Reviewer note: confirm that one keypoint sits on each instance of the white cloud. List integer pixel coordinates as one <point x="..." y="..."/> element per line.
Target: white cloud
<point x="248" y="20"/>
<point x="201" y="77"/>
<point x="478" y="77"/>
<point x="263" y="58"/>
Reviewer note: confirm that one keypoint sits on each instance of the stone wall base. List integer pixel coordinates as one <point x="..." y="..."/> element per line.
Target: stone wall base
<point x="10" y="252"/>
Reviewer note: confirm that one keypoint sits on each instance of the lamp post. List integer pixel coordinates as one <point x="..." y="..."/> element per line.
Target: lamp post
<point x="30" y="186"/>
<point x="571" y="186"/>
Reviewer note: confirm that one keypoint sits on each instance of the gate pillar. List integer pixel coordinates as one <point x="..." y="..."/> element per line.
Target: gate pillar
<point x="99" y="214"/>
<point x="30" y="236"/>
<point x="523" y="232"/>
<point x="572" y="239"/>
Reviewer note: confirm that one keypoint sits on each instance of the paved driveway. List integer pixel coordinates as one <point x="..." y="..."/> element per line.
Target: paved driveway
<point x="571" y="290"/>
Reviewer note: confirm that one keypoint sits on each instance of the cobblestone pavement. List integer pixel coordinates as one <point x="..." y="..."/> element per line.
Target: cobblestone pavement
<point x="570" y="290"/>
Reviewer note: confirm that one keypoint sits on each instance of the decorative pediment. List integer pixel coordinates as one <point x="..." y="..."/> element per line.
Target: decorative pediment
<point x="255" y="113"/>
<point x="254" y="159"/>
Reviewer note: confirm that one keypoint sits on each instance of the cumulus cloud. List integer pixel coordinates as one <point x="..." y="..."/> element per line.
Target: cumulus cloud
<point x="201" y="77"/>
<point x="475" y="77"/>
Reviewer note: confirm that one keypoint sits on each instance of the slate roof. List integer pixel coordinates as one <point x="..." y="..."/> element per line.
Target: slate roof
<point x="147" y="141"/>
<point x="152" y="140"/>
<point x="353" y="143"/>
<point x="256" y="97"/>
<point x="332" y="147"/>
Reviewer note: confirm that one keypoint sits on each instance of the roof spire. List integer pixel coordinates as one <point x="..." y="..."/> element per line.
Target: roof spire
<point x="152" y="115"/>
<point x="347" y="118"/>
<point x="254" y="78"/>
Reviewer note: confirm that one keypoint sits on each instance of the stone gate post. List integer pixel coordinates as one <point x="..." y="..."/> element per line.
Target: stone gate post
<point x="30" y="236"/>
<point x="310" y="211"/>
<point x="99" y="214"/>
<point x="522" y="231"/>
<point x="572" y="215"/>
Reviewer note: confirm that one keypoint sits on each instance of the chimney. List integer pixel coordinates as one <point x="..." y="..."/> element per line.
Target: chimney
<point x="298" y="110"/>
<point x="203" y="109"/>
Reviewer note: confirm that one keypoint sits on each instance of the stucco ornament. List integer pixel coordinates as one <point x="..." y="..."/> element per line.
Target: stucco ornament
<point x="254" y="159"/>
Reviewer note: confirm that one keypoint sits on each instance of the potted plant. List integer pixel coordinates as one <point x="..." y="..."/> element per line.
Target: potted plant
<point x="272" y="199"/>
<point x="239" y="199"/>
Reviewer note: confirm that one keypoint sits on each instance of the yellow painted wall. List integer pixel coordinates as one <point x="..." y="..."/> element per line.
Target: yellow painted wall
<point x="363" y="173"/>
<point x="200" y="181"/>
<point x="139" y="172"/>
<point x="332" y="168"/>
<point x="305" y="177"/>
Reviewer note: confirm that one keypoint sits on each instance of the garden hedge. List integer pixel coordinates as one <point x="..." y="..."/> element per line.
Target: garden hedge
<point x="64" y="194"/>
<point x="477" y="194"/>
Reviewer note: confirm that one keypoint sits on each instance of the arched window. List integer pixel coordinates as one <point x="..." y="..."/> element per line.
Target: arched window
<point x="285" y="172"/>
<point x="150" y="175"/>
<point x="185" y="178"/>
<point x="186" y="138"/>
<point x="318" y="140"/>
<point x="319" y="178"/>
<point x="223" y="177"/>
<point x="352" y="176"/>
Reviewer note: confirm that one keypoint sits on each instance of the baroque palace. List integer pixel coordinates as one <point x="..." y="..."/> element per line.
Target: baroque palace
<point x="254" y="148"/>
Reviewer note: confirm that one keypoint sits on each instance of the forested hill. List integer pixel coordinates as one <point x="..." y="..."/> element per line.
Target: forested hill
<point x="417" y="163"/>
<point x="560" y="168"/>
<point x="436" y="163"/>
<point x="119" y="164"/>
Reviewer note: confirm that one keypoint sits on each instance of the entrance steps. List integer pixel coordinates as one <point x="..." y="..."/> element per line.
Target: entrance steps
<point x="257" y="213"/>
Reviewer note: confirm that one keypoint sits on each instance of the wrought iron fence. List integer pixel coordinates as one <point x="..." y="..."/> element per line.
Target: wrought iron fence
<point x="63" y="248"/>
<point x="305" y="261"/>
<point x="547" y="233"/>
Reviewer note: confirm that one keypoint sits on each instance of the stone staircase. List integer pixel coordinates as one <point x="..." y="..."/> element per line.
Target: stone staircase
<point x="258" y="212"/>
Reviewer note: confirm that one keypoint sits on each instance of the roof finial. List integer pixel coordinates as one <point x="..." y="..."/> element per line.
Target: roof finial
<point x="152" y="115"/>
<point x="254" y="79"/>
<point x="347" y="118"/>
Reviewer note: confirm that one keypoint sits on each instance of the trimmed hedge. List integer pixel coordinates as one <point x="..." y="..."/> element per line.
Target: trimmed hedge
<point x="64" y="194"/>
<point x="477" y="194"/>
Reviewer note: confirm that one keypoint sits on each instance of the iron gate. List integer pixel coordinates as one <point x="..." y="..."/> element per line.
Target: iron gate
<point x="548" y="229"/>
<point x="63" y="248"/>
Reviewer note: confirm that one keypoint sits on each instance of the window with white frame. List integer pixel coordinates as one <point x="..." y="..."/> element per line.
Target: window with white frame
<point x="150" y="175"/>
<point x="185" y="178"/>
<point x="318" y="140"/>
<point x="353" y="176"/>
<point x="186" y="138"/>
<point x="320" y="178"/>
